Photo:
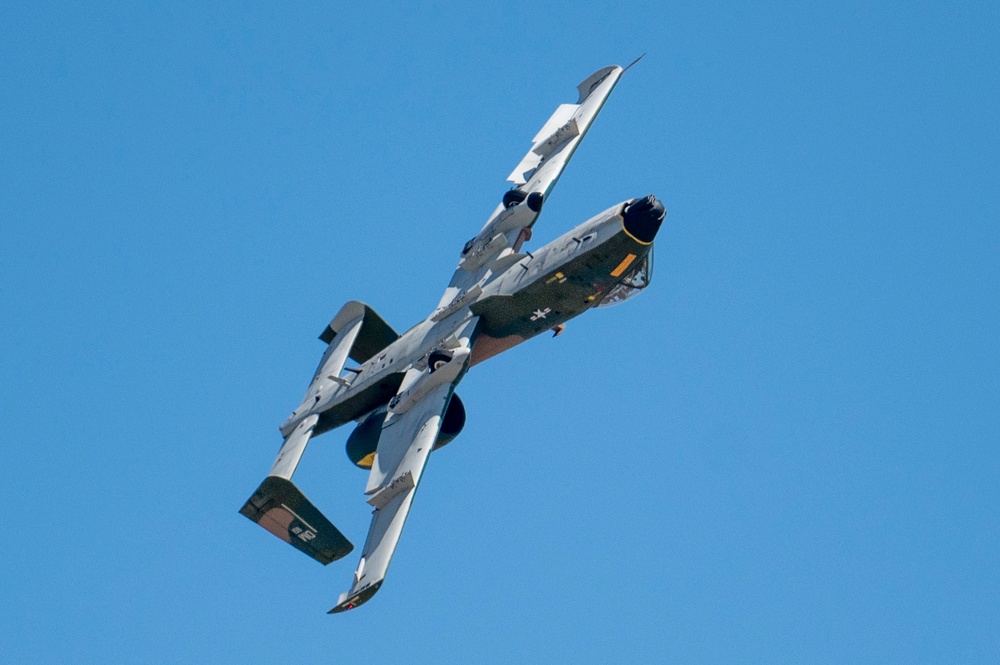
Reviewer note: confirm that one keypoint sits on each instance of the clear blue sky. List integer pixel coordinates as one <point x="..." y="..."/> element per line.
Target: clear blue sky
<point x="786" y="450"/>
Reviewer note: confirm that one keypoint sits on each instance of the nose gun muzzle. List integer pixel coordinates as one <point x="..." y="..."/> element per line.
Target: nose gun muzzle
<point x="643" y="217"/>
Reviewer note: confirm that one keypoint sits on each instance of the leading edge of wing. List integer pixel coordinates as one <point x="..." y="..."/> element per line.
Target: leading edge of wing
<point x="409" y="433"/>
<point x="414" y="432"/>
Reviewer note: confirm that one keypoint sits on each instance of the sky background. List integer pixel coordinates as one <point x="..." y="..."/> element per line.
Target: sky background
<point x="785" y="450"/>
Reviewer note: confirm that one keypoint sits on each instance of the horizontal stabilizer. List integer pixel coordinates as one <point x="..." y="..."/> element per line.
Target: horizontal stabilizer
<point x="281" y="508"/>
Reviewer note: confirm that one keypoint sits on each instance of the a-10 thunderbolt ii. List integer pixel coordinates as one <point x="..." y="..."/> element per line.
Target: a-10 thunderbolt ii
<point x="402" y="392"/>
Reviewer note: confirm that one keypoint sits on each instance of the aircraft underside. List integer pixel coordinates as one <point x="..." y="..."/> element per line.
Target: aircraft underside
<point x="401" y="388"/>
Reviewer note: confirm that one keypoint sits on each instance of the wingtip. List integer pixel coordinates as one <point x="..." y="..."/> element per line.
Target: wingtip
<point x="349" y="600"/>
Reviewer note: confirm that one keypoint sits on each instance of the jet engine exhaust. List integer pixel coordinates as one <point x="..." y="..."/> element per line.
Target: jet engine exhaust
<point x="643" y="218"/>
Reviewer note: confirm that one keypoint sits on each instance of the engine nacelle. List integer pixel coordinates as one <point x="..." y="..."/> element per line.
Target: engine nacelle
<point x="363" y="441"/>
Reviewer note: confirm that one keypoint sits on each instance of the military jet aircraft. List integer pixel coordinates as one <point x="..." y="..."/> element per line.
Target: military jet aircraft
<point x="402" y="395"/>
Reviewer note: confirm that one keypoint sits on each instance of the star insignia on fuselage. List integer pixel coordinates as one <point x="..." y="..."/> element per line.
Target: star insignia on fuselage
<point x="540" y="313"/>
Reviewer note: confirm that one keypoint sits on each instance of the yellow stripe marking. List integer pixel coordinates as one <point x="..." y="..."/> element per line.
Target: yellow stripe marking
<point x="632" y="236"/>
<point x="626" y="262"/>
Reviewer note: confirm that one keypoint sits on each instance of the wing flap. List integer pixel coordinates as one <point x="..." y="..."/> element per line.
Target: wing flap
<point x="544" y="147"/>
<point x="382" y="497"/>
<point x="559" y="118"/>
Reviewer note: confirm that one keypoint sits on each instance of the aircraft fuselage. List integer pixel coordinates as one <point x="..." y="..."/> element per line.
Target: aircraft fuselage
<point x="536" y="293"/>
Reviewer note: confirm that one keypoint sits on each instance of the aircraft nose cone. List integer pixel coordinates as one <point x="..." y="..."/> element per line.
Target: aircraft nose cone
<point x="643" y="218"/>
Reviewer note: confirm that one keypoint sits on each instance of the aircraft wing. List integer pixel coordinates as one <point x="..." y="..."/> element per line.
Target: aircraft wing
<point x="409" y="432"/>
<point x="559" y="137"/>
<point x="534" y="177"/>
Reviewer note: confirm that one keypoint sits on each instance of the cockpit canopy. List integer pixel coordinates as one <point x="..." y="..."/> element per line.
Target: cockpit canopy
<point x="632" y="284"/>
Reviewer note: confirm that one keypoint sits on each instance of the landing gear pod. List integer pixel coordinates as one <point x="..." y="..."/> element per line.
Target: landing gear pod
<point x="512" y="197"/>
<point x="437" y="359"/>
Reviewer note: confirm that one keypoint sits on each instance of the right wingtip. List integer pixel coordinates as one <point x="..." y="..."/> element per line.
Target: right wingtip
<point x="351" y="599"/>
